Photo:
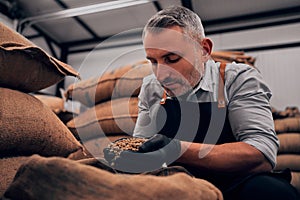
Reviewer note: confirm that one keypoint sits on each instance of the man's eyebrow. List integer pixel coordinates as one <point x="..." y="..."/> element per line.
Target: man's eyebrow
<point x="171" y="54"/>
<point x="166" y="55"/>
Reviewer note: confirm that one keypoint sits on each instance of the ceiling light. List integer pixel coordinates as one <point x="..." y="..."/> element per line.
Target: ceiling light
<point x="72" y="12"/>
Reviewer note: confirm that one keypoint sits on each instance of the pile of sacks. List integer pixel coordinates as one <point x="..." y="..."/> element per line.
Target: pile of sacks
<point x="40" y="158"/>
<point x="112" y="106"/>
<point x="27" y="125"/>
<point x="233" y="56"/>
<point x="287" y="127"/>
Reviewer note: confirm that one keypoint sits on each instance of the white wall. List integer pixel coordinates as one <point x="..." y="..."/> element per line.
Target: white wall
<point x="281" y="70"/>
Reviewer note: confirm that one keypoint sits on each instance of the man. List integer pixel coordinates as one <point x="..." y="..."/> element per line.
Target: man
<point x="214" y="119"/>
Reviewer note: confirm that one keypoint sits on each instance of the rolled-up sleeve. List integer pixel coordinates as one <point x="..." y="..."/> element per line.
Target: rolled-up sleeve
<point x="249" y="110"/>
<point x="149" y="98"/>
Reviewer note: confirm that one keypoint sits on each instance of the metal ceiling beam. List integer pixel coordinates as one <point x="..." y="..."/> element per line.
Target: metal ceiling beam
<point x="157" y="5"/>
<point x="257" y="19"/>
<point x="74" y="12"/>
<point x="77" y="19"/>
<point x="49" y="43"/>
<point x="268" y="14"/>
<point x="44" y="34"/>
<point x="251" y="21"/>
<point x="84" y="42"/>
<point x="251" y="26"/>
<point x="84" y="10"/>
<point x="267" y="47"/>
<point x="187" y="4"/>
<point x="135" y="33"/>
<point x="30" y="37"/>
<point x="10" y="9"/>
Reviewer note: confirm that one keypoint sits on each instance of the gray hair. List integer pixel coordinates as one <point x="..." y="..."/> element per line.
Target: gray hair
<point x="176" y="16"/>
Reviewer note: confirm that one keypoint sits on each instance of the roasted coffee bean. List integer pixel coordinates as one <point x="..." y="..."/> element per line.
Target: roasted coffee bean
<point x="125" y="144"/>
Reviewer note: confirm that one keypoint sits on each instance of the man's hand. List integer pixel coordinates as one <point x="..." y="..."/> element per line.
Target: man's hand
<point x="156" y="151"/>
<point x="157" y="142"/>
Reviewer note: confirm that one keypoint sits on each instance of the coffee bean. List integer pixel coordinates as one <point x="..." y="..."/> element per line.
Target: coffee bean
<point x="125" y="144"/>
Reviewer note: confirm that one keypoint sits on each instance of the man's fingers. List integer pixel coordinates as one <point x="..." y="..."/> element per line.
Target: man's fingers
<point x="154" y="143"/>
<point x="138" y="162"/>
<point x="108" y="155"/>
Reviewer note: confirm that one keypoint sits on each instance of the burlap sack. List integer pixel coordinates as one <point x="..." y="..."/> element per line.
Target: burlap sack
<point x="291" y="124"/>
<point x="290" y="111"/>
<point x="66" y="116"/>
<point x="28" y="127"/>
<point x="122" y="82"/>
<point x="291" y="161"/>
<point x="232" y="56"/>
<point x="289" y="143"/>
<point x="56" y="104"/>
<point x="8" y="169"/>
<point x="296" y="180"/>
<point x="115" y="117"/>
<point x="59" y="178"/>
<point x="26" y="67"/>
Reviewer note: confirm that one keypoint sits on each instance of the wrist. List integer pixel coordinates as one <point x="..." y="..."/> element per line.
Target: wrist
<point x="184" y="146"/>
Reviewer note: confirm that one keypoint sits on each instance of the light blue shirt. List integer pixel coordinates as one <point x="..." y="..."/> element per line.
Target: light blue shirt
<point x="247" y="98"/>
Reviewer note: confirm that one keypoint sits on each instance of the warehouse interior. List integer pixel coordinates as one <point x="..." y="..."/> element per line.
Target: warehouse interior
<point x="95" y="37"/>
<point x="69" y="30"/>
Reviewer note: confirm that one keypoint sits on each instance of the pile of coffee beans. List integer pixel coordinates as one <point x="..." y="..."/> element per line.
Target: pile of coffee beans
<point x="125" y="144"/>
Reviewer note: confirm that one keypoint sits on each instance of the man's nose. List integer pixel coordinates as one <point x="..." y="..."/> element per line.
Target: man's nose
<point x="162" y="72"/>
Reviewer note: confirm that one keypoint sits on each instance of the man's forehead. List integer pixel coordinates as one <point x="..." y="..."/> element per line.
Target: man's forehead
<point x="163" y="50"/>
<point x="169" y="39"/>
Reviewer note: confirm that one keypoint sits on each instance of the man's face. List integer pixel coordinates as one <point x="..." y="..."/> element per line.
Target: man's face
<point x="176" y="59"/>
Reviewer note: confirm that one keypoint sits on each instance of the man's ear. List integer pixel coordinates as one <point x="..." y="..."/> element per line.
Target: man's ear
<point x="207" y="46"/>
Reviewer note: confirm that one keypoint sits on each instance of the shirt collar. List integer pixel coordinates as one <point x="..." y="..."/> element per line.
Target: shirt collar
<point x="206" y="80"/>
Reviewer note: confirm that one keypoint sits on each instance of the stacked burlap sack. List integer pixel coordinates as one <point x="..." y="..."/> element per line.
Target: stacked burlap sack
<point x="112" y="99"/>
<point x="27" y="125"/>
<point x="287" y="127"/>
<point x="58" y="106"/>
<point x="30" y="125"/>
<point x="233" y="56"/>
<point x="53" y="177"/>
<point x="64" y="179"/>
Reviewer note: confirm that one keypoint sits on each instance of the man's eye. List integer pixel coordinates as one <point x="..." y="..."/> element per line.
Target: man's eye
<point x="172" y="59"/>
<point x="152" y="61"/>
<point x="153" y="64"/>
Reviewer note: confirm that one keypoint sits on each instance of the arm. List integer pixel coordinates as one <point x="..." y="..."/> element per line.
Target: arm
<point x="149" y="98"/>
<point x="237" y="157"/>
<point x="252" y="124"/>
